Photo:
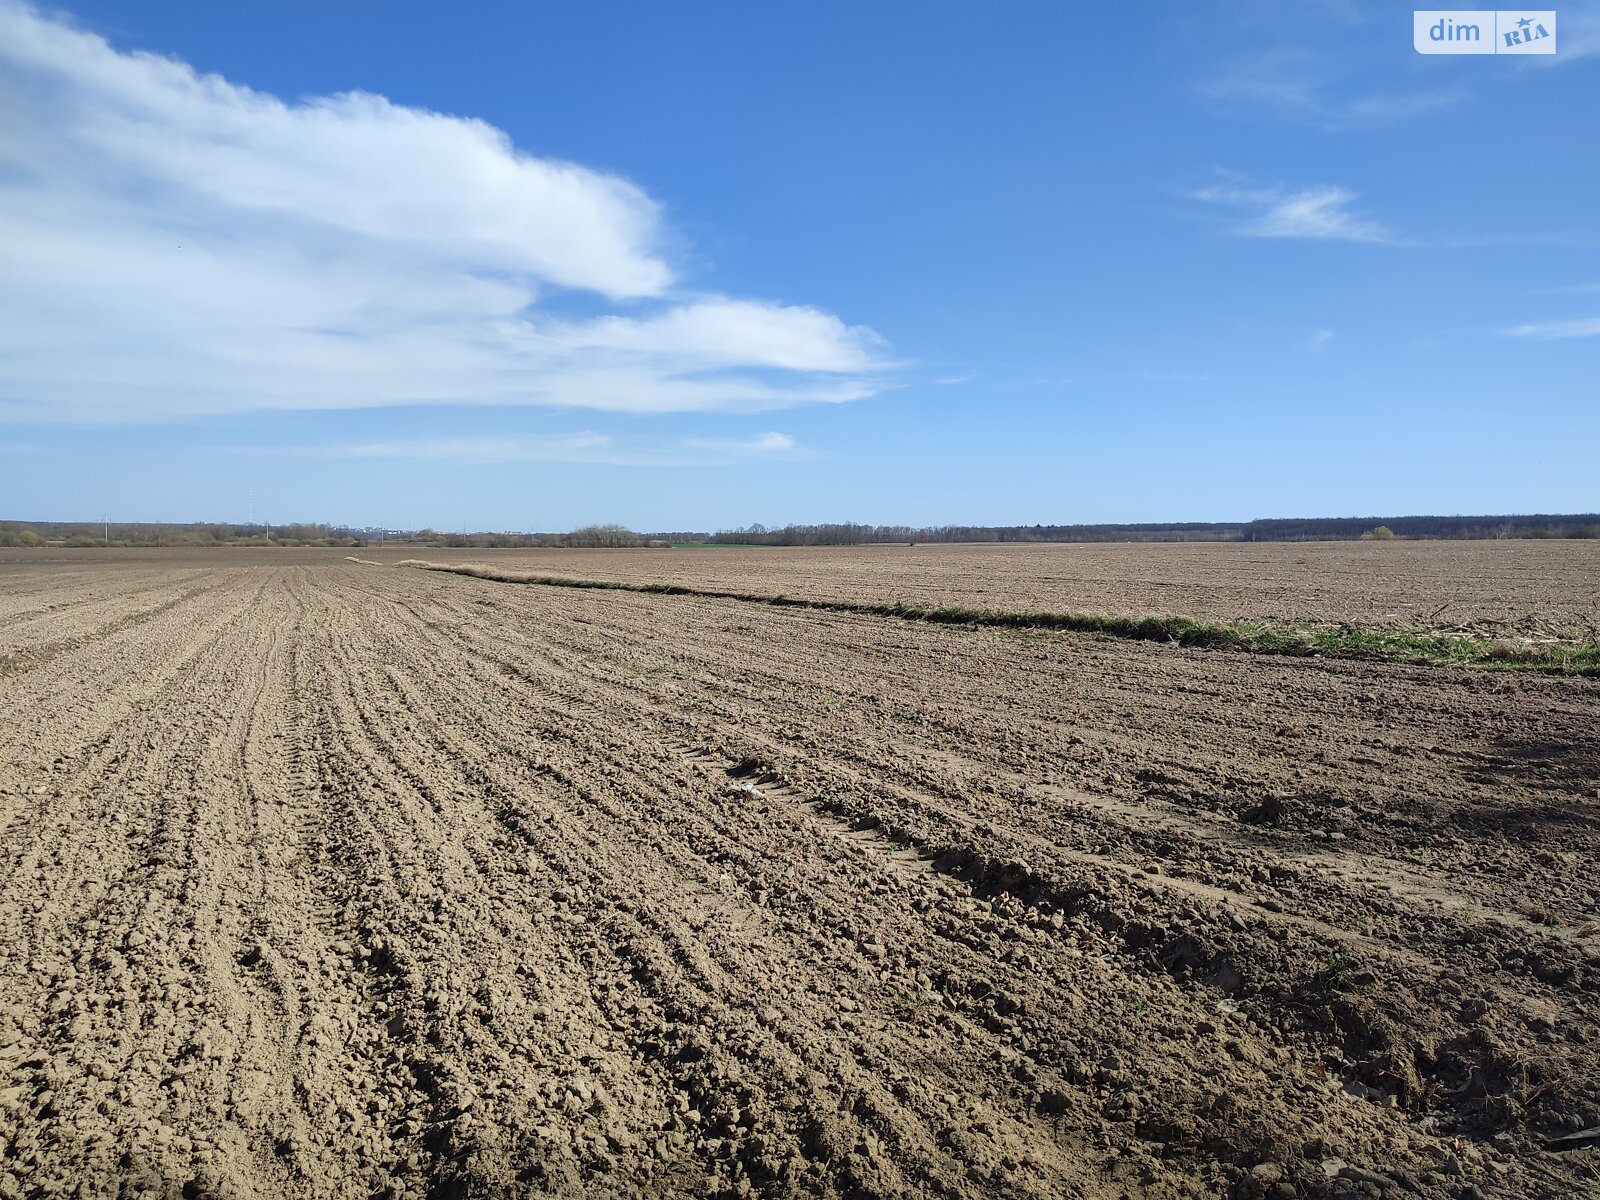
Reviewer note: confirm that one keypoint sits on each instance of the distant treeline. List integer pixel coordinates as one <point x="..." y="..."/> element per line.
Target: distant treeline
<point x="150" y="533"/>
<point x="590" y="537"/>
<point x="200" y="533"/>
<point x="1321" y="529"/>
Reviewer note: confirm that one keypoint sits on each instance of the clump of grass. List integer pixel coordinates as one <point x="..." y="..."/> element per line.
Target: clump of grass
<point x="911" y="1004"/>
<point x="1351" y="641"/>
<point x="1336" y="972"/>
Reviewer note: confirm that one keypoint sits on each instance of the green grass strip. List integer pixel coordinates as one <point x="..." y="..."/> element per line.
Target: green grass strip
<point x="1350" y="641"/>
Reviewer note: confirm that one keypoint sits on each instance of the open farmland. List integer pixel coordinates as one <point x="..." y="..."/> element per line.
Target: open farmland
<point x="328" y="879"/>
<point x="1538" y="588"/>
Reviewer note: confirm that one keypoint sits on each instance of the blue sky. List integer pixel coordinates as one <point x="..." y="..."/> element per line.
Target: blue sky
<point x="687" y="266"/>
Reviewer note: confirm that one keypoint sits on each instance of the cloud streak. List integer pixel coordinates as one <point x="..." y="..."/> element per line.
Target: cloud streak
<point x="1550" y="331"/>
<point x="177" y="244"/>
<point x="580" y="447"/>
<point x="1318" y="212"/>
<point x="1303" y="87"/>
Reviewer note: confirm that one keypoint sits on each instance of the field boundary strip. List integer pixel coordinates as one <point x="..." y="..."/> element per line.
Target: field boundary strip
<point x="1347" y="641"/>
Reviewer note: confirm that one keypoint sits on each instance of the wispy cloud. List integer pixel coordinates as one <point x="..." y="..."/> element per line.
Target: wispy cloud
<point x="19" y="448"/>
<point x="765" y="445"/>
<point x="1577" y="34"/>
<point x="1319" y="339"/>
<point x="180" y="244"/>
<point x="1327" y="212"/>
<point x="580" y="447"/>
<point x="1556" y="330"/>
<point x="1317" y="211"/>
<point x="1303" y="87"/>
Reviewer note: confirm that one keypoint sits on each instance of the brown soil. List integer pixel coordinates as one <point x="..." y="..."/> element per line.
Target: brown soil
<point x="330" y="880"/>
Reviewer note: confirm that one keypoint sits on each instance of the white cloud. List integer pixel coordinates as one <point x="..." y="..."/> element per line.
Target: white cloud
<point x="1318" y="211"/>
<point x="1554" y="330"/>
<point x="722" y="332"/>
<point x="761" y="444"/>
<point x="1319" y="339"/>
<point x="1310" y="88"/>
<point x="490" y="448"/>
<point x="1577" y="35"/>
<point x="581" y="447"/>
<point x="176" y="244"/>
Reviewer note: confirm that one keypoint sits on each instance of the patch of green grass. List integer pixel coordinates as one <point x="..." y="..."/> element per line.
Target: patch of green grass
<point x="1336" y="972"/>
<point x="1578" y="658"/>
<point x="910" y="1004"/>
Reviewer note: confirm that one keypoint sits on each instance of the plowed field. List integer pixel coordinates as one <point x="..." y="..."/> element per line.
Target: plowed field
<point x="1482" y="587"/>
<point x="328" y="880"/>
